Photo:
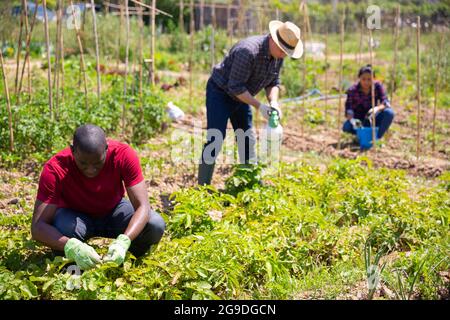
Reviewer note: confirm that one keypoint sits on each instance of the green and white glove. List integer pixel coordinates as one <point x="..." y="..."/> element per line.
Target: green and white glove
<point x="118" y="249"/>
<point x="83" y="254"/>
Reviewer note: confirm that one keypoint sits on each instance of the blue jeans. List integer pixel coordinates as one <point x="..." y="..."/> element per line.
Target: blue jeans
<point x="78" y="225"/>
<point x="383" y="121"/>
<point x="219" y="108"/>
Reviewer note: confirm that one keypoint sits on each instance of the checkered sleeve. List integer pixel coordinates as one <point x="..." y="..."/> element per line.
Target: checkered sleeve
<point x="240" y="71"/>
<point x="382" y="95"/>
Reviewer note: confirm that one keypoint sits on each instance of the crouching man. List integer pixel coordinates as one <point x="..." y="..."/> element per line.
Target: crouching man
<point x="81" y="195"/>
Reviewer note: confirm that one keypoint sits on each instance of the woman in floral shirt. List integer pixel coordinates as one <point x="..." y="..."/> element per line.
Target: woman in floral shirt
<point x="359" y="104"/>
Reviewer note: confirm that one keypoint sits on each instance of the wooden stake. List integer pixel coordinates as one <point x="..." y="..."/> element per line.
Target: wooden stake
<point x="436" y="91"/>
<point x="394" y="68"/>
<point x="418" y="89"/>
<point x="127" y="48"/>
<point x="56" y="82"/>
<point x="181" y="16"/>
<point x="202" y="14"/>
<point x="119" y="38"/>
<point x="372" y="90"/>
<point x="191" y="52"/>
<point x="341" y="48"/>
<point x="326" y="76"/>
<point x="49" y="69"/>
<point x="141" y="57"/>
<point x="303" y="109"/>
<point x="80" y="46"/>
<point x="97" y="50"/>
<point x="213" y="45"/>
<point x="27" y="52"/>
<point x="27" y="29"/>
<point x="19" y="48"/>
<point x="153" y="42"/>
<point x="8" y="104"/>
<point x="359" y="60"/>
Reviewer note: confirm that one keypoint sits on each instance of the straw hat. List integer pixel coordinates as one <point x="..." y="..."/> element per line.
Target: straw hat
<point x="287" y="36"/>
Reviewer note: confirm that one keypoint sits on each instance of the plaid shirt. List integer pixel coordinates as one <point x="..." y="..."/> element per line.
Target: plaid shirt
<point x="361" y="103"/>
<point x="248" y="67"/>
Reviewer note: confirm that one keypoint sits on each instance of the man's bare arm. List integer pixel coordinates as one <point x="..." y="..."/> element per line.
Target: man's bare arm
<point x="139" y="199"/>
<point x="273" y="93"/>
<point x="42" y="229"/>
<point x="247" y="98"/>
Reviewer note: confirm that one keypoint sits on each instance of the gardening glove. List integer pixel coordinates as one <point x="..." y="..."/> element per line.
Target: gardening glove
<point x="118" y="249"/>
<point x="266" y="110"/>
<point x="369" y="113"/>
<point x="275" y="106"/>
<point x="83" y="254"/>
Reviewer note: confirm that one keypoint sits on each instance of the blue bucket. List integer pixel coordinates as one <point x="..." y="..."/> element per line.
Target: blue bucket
<point x="364" y="135"/>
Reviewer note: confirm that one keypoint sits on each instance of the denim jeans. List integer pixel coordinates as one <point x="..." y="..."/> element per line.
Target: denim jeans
<point x="383" y="121"/>
<point x="78" y="225"/>
<point x="219" y="108"/>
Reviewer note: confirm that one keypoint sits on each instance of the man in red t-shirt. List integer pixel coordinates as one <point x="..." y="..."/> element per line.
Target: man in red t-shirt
<point x="80" y="196"/>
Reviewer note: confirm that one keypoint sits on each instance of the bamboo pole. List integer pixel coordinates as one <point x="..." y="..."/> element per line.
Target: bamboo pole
<point x="418" y="89"/>
<point x="372" y="80"/>
<point x="49" y="69"/>
<point x="191" y="51"/>
<point x="229" y="25"/>
<point x="394" y="68"/>
<point x="153" y="42"/>
<point x="80" y="46"/>
<point x="97" y="51"/>
<point x="125" y="76"/>
<point x="61" y="59"/>
<point x="27" y="51"/>
<point x="19" y="48"/>
<point x="8" y="104"/>
<point x="436" y="91"/>
<point x="341" y="48"/>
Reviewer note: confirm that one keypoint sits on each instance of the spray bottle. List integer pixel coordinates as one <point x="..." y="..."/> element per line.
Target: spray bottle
<point x="272" y="139"/>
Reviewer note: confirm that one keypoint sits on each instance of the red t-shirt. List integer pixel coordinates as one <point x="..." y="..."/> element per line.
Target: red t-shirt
<point x="62" y="183"/>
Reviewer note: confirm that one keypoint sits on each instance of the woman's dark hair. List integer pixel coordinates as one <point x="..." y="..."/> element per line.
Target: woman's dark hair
<point x="366" y="69"/>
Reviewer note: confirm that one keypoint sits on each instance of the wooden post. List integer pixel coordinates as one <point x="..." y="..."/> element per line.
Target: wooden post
<point x="127" y="47"/>
<point x="229" y="24"/>
<point x="8" y="104"/>
<point x="436" y="90"/>
<point x="372" y="80"/>
<point x="303" y="109"/>
<point x="61" y="57"/>
<point x="80" y="46"/>
<point x="49" y="69"/>
<point x="97" y="50"/>
<point x="191" y="52"/>
<point x="326" y="76"/>
<point x="152" y="67"/>
<point x="202" y="14"/>
<point x="181" y="16"/>
<point x="341" y="48"/>
<point x="418" y="89"/>
<point x="394" y="68"/>
<point x="27" y="51"/>
<point x="19" y="47"/>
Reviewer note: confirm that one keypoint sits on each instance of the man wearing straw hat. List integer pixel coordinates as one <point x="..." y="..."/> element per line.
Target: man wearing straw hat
<point x="251" y="65"/>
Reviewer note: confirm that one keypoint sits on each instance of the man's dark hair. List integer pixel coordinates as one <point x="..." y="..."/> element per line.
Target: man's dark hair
<point x="366" y="69"/>
<point x="89" y="139"/>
